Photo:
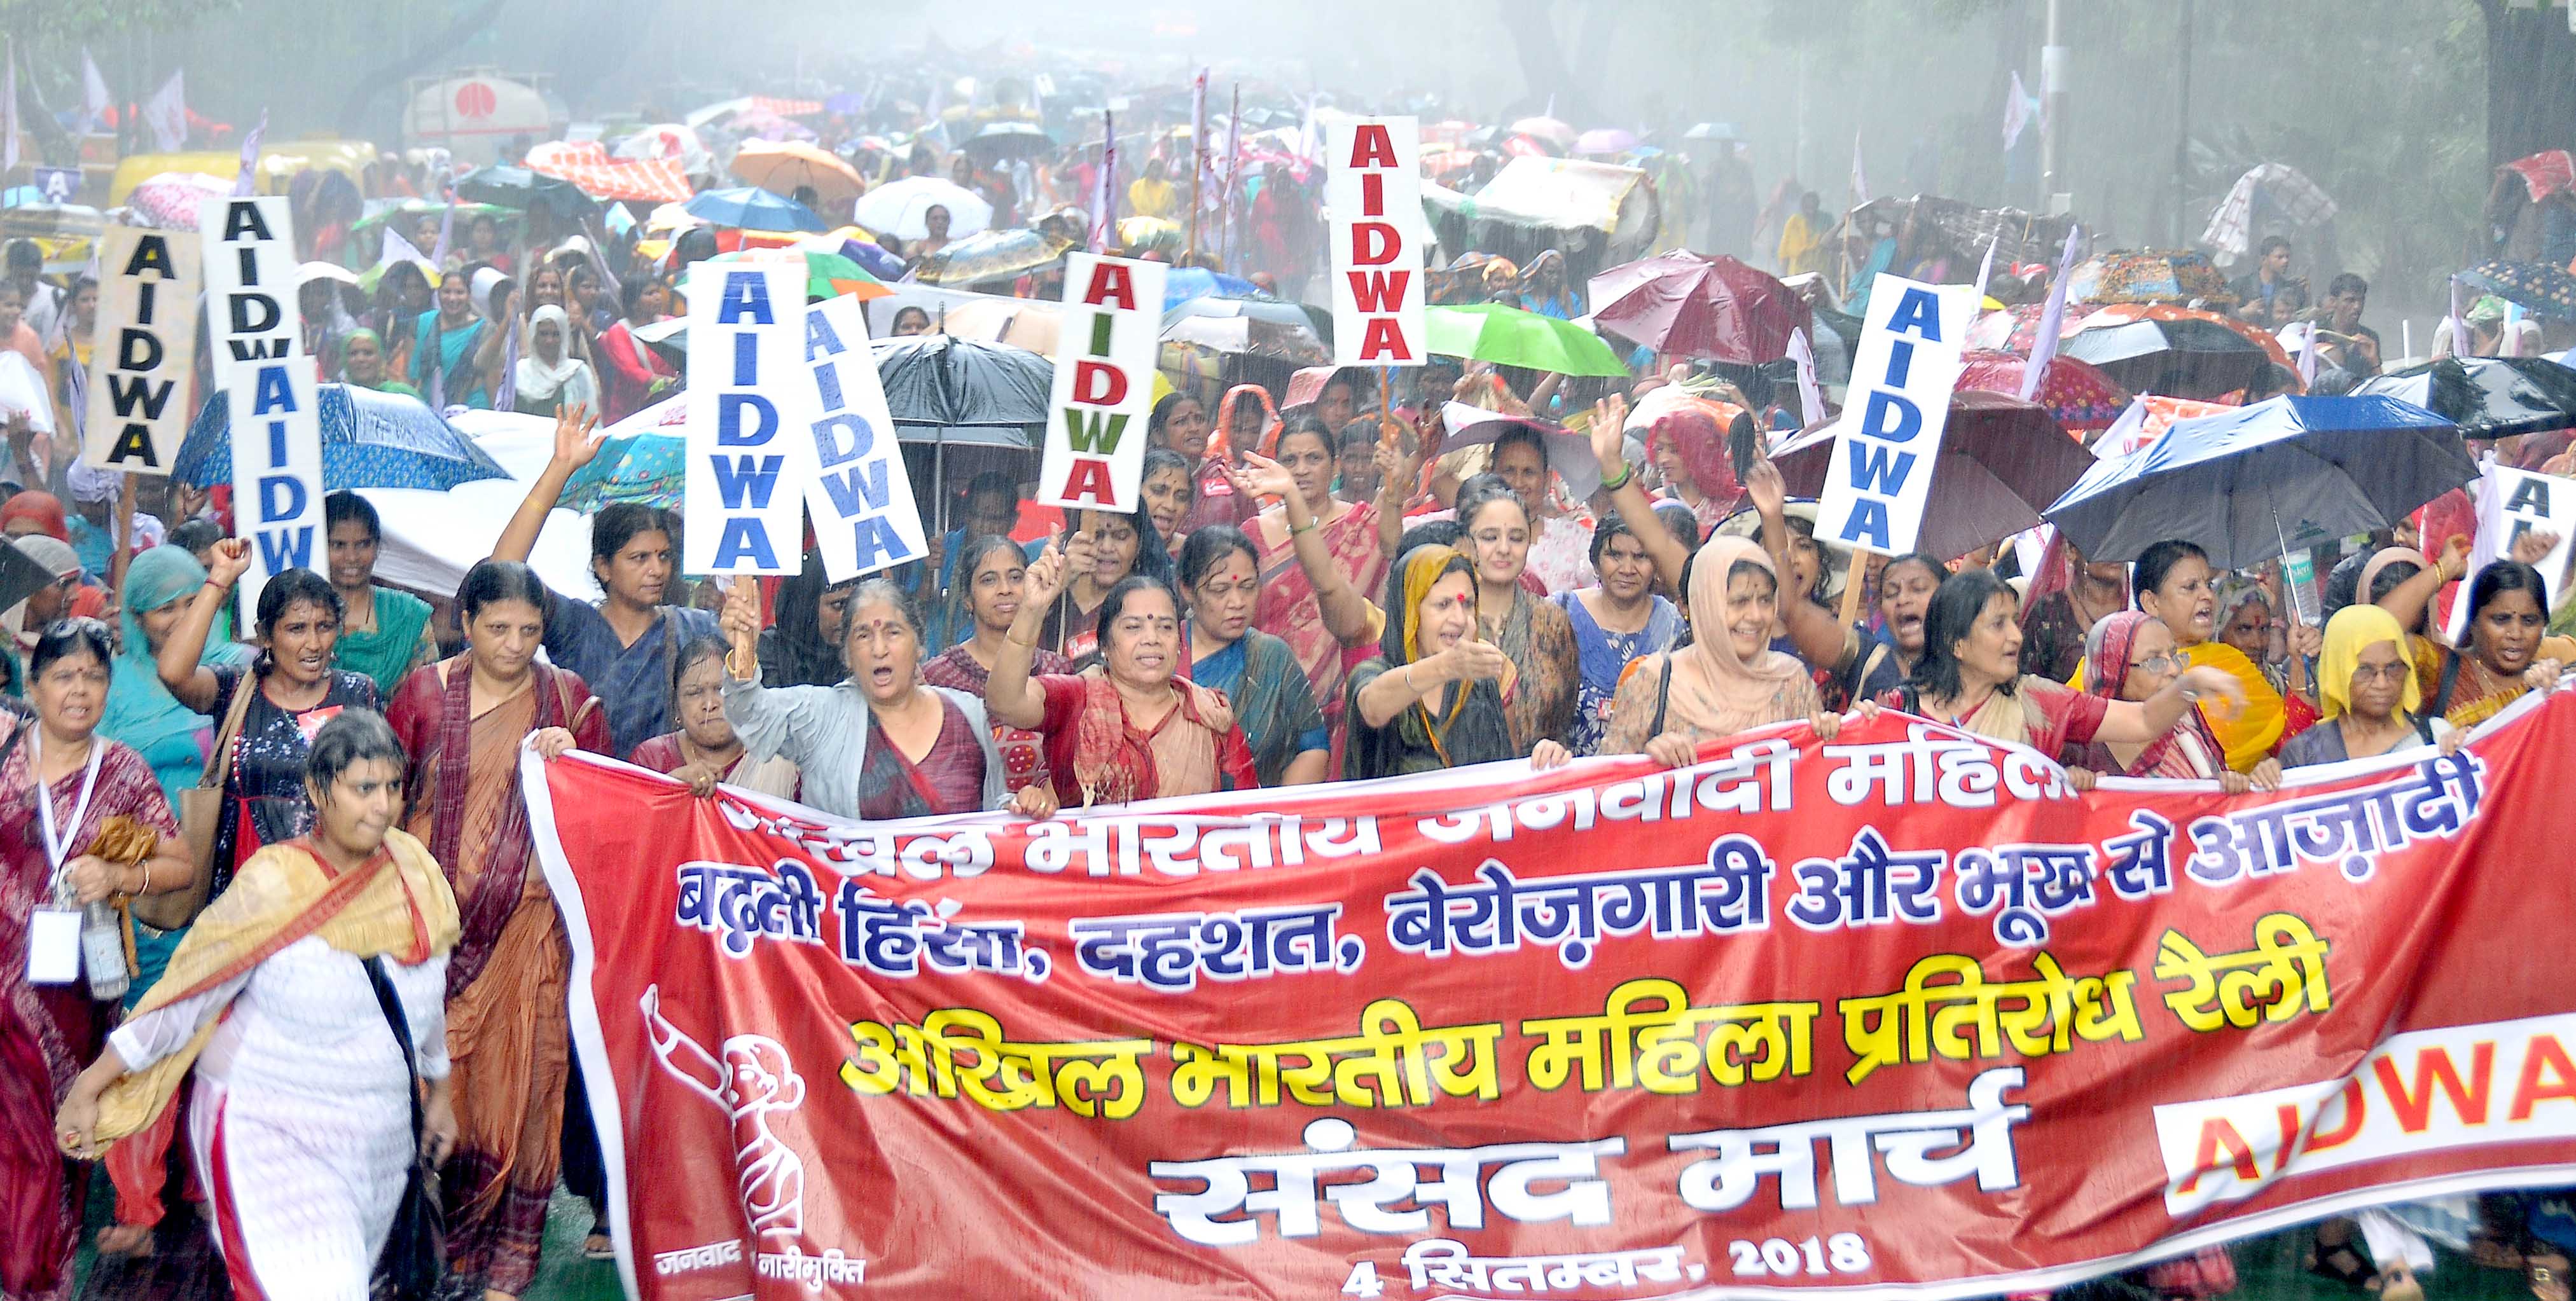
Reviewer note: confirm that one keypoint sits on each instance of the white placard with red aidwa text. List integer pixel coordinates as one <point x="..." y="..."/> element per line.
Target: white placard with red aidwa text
<point x="1108" y="335"/>
<point x="1373" y="194"/>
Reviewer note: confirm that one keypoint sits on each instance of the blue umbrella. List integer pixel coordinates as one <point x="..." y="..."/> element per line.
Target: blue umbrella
<point x="752" y="208"/>
<point x="2250" y="484"/>
<point x="1181" y="284"/>
<point x="369" y="440"/>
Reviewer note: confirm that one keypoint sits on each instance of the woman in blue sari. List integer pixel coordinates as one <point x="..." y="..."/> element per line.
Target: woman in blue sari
<point x="1259" y="675"/>
<point x="141" y="712"/>
<point x="446" y="350"/>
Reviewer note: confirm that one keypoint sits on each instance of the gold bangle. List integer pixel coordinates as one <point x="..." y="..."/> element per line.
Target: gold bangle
<point x="739" y="673"/>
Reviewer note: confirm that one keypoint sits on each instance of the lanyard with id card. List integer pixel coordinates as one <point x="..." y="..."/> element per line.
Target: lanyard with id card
<point x="54" y="933"/>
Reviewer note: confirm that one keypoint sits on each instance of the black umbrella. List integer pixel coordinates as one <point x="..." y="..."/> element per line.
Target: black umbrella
<point x="942" y="389"/>
<point x="21" y="576"/>
<point x="2487" y="397"/>
<point x="517" y="187"/>
<point x="1008" y="140"/>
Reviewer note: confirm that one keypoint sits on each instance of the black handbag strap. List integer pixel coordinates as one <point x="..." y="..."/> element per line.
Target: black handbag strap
<point x="1663" y="697"/>
<point x="401" y="1026"/>
<point x="2450" y="679"/>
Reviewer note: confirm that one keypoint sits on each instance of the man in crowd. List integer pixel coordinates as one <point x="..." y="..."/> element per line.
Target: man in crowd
<point x="2271" y="297"/>
<point x="2342" y="340"/>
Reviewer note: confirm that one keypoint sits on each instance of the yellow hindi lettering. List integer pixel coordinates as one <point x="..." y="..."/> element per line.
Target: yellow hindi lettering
<point x="2283" y="975"/>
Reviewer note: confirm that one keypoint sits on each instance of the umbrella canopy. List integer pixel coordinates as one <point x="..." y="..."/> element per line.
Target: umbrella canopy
<point x="2487" y="397"/>
<point x="169" y="201"/>
<point x="589" y="165"/>
<point x="517" y="187"/>
<point x="944" y="389"/>
<point x="752" y="208"/>
<point x="827" y="275"/>
<point x="2542" y="289"/>
<point x="991" y="255"/>
<point x="781" y="166"/>
<point x="1508" y="336"/>
<point x="465" y="212"/>
<point x="1715" y="307"/>
<point x="1547" y="129"/>
<point x="899" y="208"/>
<point x="1147" y="234"/>
<point x="369" y="440"/>
<point x="1007" y="140"/>
<point x="2148" y="276"/>
<point x="1181" y="284"/>
<point x="2250" y="483"/>
<point x="1569" y="453"/>
<point x="640" y="460"/>
<point x="2076" y="394"/>
<point x="1260" y="329"/>
<point x="2002" y="461"/>
<point x="1605" y="140"/>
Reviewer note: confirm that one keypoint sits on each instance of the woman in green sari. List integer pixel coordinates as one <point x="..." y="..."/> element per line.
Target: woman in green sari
<point x="385" y="634"/>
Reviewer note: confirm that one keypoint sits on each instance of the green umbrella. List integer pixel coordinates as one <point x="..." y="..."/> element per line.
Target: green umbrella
<point x="465" y="212"/>
<point x="1508" y="336"/>
<point x="827" y="275"/>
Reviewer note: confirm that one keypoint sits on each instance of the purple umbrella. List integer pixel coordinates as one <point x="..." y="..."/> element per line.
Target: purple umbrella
<point x="1605" y="140"/>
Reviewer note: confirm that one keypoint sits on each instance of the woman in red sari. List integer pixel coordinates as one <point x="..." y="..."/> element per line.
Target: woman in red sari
<point x="463" y="722"/>
<point x="2132" y="657"/>
<point x="1289" y="608"/>
<point x="60" y="785"/>
<point x="1127" y="728"/>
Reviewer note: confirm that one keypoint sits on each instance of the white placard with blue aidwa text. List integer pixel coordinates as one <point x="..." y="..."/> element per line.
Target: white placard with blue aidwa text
<point x="1107" y="340"/>
<point x="2511" y="503"/>
<point x="864" y="516"/>
<point x="750" y="403"/>
<point x="268" y="384"/>
<point x="147" y="349"/>
<point x="1889" y="437"/>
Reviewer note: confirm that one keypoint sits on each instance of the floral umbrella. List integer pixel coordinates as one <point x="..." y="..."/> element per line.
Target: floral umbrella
<point x="2149" y="276"/>
<point x="2541" y="289"/>
<point x="2076" y="393"/>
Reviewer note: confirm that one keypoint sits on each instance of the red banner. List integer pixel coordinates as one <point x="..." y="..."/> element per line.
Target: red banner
<point x="1896" y="1011"/>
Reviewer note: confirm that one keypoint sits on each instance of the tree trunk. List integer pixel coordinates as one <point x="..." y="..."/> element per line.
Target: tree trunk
<point x="386" y="76"/>
<point x="2531" y="81"/>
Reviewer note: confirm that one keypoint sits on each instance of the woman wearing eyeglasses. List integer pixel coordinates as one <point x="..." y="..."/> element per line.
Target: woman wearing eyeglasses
<point x="2131" y="656"/>
<point x="2370" y="696"/>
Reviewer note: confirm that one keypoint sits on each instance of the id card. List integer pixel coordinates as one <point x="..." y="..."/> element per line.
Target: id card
<point x="53" y="946"/>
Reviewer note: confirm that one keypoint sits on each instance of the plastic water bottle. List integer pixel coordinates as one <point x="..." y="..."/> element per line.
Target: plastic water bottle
<point x="103" y="951"/>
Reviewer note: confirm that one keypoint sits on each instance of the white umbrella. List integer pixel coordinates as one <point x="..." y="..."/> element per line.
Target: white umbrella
<point x="897" y="209"/>
<point x="312" y="271"/>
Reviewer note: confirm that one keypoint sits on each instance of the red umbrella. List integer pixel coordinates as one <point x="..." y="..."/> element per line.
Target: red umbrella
<point x="1697" y="306"/>
<point x="2076" y="393"/>
<point x="2003" y="461"/>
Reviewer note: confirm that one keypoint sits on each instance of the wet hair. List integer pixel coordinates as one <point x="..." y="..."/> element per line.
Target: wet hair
<point x="2346" y="283"/>
<point x="914" y="309"/>
<point x="1520" y="434"/>
<point x="2270" y="242"/>
<point x="1611" y="526"/>
<point x="2498" y="578"/>
<point x="2393" y="576"/>
<point x="502" y="580"/>
<point x="344" y="505"/>
<point x="352" y="737"/>
<point x="1208" y="548"/>
<point x="2157" y="562"/>
<point x="616" y="525"/>
<point x="1681" y="522"/>
<point x="294" y="586"/>
<point x="1953" y="615"/>
<point x="1163" y="408"/>
<point x="1481" y="491"/>
<point x="971" y="556"/>
<point x="1309" y="425"/>
<point x="1114" y="604"/>
<point x="1436" y="533"/>
<point x="24" y="253"/>
<point x="197" y="535"/>
<point x="1362" y="432"/>
<point x="1161" y="459"/>
<point x="799" y="623"/>
<point x="1940" y="569"/>
<point x="882" y="590"/>
<point x="992" y="483"/>
<point x="705" y="645"/>
<point x="632" y="301"/>
<point x="64" y="637"/>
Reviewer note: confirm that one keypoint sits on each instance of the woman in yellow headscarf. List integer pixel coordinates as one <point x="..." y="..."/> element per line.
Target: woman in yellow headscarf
<point x="2173" y="585"/>
<point x="1150" y="195"/>
<point x="2372" y="705"/>
<point x="303" y="1118"/>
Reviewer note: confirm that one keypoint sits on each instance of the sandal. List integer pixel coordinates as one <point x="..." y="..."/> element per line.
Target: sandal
<point x="598" y="1247"/>
<point x="2547" y="1276"/>
<point x="2398" y="1283"/>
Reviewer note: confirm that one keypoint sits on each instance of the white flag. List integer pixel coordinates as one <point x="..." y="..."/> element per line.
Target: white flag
<point x="1859" y="182"/>
<point x="2017" y="112"/>
<point x="1986" y="269"/>
<point x="398" y="249"/>
<point x="1104" y="199"/>
<point x="2052" y="319"/>
<point x="1811" y="399"/>
<point x="9" y="112"/>
<point x="246" y="181"/>
<point x="96" y="103"/>
<point x="167" y="114"/>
